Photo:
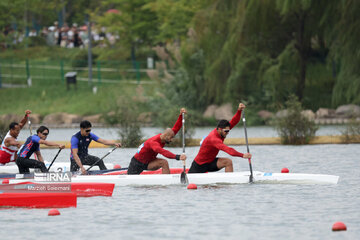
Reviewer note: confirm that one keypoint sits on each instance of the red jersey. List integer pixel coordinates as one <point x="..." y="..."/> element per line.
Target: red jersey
<point x="214" y="142"/>
<point x="148" y="151"/>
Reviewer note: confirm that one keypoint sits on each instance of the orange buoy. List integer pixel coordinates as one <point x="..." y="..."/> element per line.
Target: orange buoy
<point x="192" y="186"/>
<point x="339" y="226"/>
<point x="5" y="181"/>
<point x="285" y="170"/>
<point x="53" y="212"/>
<point x="117" y="166"/>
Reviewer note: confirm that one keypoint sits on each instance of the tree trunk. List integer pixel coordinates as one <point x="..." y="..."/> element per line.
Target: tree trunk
<point x="302" y="48"/>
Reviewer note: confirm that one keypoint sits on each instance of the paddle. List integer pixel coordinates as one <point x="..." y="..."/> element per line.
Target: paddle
<point x="183" y="177"/>
<point x="54" y="159"/>
<point x="247" y="146"/>
<point x="101" y="158"/>
<point x="29" y="122"/>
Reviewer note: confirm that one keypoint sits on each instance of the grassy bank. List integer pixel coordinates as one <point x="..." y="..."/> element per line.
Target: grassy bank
<point x="46" y="97"/>
<point x="48" y="93"/>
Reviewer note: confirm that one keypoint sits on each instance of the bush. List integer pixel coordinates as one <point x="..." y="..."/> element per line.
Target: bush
<point x="126" y="116"/>
<point x="352" y="132"/>
<point x="294" y="128"/>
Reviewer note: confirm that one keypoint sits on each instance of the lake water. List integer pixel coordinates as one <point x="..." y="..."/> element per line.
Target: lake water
<point x="244" y="211"/>
<point x="64" y="134"/>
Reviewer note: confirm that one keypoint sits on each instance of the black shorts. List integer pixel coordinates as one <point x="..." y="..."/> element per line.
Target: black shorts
<point x="136" y="167"/>
<point x="203" y="168"/>
<point x="87" y="160"/>
<point x="24" y="164"/>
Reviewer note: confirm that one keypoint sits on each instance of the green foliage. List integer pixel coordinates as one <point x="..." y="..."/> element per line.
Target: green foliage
<point x="36" y="41"/>
<point x="174" y="17"/>
<point x="258" y="51"/>
<point x="352" y="131"/>
<point x="341" y="20"/>
<point x="125" y="114"/>
<point x="26" y="13"/>
<point x="80" y="59"/>
<point x="134" y="23"/>
<point x="294" y="128"/>
<point x="4" y="128"/>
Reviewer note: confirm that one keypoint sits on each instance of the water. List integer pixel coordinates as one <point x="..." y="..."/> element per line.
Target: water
<point x="65" y="134"/>
<point x="244" y="211"/>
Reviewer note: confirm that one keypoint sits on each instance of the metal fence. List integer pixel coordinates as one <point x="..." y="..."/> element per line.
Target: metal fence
<point x="22" y="72"/>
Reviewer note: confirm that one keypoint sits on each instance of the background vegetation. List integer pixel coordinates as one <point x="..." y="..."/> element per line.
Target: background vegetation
<point x="256" y="51"/>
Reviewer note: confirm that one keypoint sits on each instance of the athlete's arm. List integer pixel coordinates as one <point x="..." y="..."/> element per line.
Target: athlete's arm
<point x="74" y="152"/>
<point x="158" y="149"/>
<point x="51" y="144"/>
<point x="25" y="119"/>
<point x="178" y="123"/>
<point x="39" y="156"/>
<point x="228" y="150"/>
<point x="236" y="118"/>
<point x="10" y="141"/>
<point x="108" y="142"/>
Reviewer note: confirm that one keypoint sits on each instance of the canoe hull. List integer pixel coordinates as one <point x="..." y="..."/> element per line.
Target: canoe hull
<point x="80" y="189"/>
<point x="56" y="167"/>
<point x="207" y="178"/>
<point x="38" y="200"/>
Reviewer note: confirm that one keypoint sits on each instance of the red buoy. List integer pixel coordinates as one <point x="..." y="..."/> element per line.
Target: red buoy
<point x="117" y="166"/>
<point x="5" y="181"/>
<point x="192" y="186"/>
<point x="285" y="170"/>
<point x="339" y="226"/>
<point x="53" y="212"/>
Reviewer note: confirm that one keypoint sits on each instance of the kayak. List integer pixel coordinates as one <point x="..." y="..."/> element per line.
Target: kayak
<point x="159" y="171"/>
<point x="38" y="199"/>
<point x="80" y="189"/>
<point x="206" y="178"/>
<point x="56" y="167"/>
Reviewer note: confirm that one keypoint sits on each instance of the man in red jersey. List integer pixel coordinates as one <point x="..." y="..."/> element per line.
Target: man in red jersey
<point x="206" y="160"/>
<point x="146" y="156"/>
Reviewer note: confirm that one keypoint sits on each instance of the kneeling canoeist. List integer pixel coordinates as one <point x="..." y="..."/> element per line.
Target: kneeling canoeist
<point x="79" y="148"/>
<point x="32" y="145"/>
<point x="146" y="156"/>
<point x="206" y="160"/>
<point x="10" y="145"/>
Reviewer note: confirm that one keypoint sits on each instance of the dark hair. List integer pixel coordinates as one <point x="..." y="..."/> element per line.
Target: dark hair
<point x="41" y="129"/>
<point x="85" y="124"/>
<point x="223" y="124"/>
<point x="13" y="125"/>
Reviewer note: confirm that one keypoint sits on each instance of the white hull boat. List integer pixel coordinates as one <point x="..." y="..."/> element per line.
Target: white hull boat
<point x="205" y="178"/>
<point x="56" y="167"/>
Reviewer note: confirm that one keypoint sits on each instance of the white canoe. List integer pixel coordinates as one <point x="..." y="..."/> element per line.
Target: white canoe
<point x="206" y="178"/>
<point x="56" y="167"/>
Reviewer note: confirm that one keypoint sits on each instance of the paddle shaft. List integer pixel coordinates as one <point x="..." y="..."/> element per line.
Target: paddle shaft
<point x="247" y="146"/>
<point x="29" y="122"/>
<point x="101" y="158"/>
<point x="183" y="177"/>
<point x="54" y="159"/>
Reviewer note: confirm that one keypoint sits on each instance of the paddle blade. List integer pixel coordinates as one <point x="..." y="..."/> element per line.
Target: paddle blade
<point x="183" y="178"/>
